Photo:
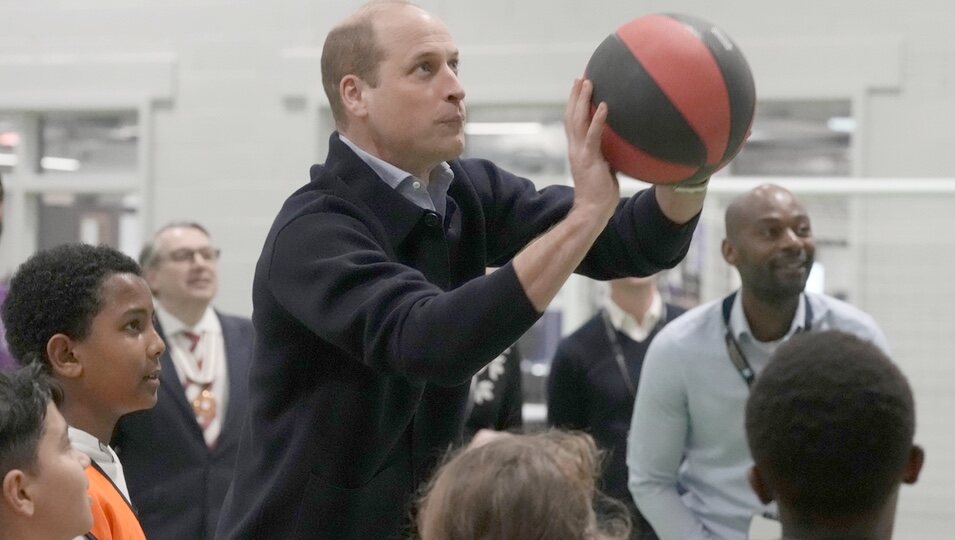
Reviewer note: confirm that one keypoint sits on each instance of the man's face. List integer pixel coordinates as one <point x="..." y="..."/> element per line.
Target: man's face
<point x="186" y="268"/>
<point x="772" y="247"/>
<point x="59" y="482"/>
<point x="415" y="115"/>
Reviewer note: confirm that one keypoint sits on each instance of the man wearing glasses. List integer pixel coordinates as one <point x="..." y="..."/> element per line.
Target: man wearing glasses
<point x="179" y="456"/>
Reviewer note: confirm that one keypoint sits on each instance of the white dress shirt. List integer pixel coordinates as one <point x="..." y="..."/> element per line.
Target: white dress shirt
<point x="211" y="349"/>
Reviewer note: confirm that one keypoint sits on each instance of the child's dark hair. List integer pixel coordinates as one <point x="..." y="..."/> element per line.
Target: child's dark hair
<point x="57" y="291"/>
<point x="24" y="395"/>
<point x="832" y="419"/>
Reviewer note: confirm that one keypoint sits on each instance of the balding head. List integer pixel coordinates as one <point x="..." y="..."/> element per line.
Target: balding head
<point x="755" y="203"/>
<point x="352" y="48"/>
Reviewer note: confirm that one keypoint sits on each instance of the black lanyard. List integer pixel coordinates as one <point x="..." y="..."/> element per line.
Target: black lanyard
<point x="733" y="348"/>
<point x="618" y="349"/>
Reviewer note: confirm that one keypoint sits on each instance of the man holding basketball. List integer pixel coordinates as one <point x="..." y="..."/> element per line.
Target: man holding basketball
<point x="372" y="309"/>
<point x="687" y="425"/>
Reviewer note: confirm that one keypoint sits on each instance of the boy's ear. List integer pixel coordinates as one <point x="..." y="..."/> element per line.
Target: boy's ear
<point x="758" y="484"/>
<point x="59" y="349"/>
<point x="913" y="466"/>
<point x="16" y="494"/>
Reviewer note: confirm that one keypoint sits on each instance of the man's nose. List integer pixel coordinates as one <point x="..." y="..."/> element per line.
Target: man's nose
<point x="455" y="89"/>
<point x="791" y="240"/>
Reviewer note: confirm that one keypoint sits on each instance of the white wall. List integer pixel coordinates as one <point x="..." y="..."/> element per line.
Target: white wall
<point x="231" y="97"/>
<point x="236" y="131"/>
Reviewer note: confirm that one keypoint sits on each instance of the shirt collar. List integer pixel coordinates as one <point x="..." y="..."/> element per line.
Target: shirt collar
<point x="740" y="326"/>
<point x="636" y="330"/>
<point x="438" y="182"/>
<point x="171" y="325"/>
<point x="90" y="445"/>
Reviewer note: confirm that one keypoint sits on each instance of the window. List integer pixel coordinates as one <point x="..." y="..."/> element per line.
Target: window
<point x="798" y="138"/>
<point x="86" y="142"/>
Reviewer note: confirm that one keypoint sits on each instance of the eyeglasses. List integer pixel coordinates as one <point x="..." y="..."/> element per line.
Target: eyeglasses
<point x="189" y="255"/>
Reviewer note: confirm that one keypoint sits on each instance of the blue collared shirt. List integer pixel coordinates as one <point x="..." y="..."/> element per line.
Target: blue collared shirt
<point x="430" y="195"/>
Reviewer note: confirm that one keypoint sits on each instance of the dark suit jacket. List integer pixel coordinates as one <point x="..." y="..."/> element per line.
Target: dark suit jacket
<point x="176" y="482"/>
<point x="371" y="315"/>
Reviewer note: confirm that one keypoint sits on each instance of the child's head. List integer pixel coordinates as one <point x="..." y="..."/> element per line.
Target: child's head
<point x="44" y="487"/>
<point x="86" y="314"/>
<point x="830" y="423"/>
<point x="520" y="486"/>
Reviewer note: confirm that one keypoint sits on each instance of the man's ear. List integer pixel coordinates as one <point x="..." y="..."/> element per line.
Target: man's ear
<point x="729" y="252"/>
<point x="16" y="493"/>
<point x="759" y="485"/>
<point x="149" y="274"/>
<point x="913" y="466"/>
<point x="59" y="349"/>
<point x="352" y="91"/>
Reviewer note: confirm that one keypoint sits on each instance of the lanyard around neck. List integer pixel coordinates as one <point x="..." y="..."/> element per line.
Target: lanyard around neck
<point x="736" y="352"/>
<point x="618" y="349"/>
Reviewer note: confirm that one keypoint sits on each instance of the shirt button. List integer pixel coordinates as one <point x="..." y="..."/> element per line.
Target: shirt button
<point x="416" y="185"/>
<point x="431" y="220"/>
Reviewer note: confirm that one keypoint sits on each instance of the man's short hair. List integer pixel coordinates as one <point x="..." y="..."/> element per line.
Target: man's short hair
<point x="148" y="257"/>
<point x="24" y="396"/>
<point x="830" y="424"/>
<point x="352" y="48"/>
<point x="57" y="291"/>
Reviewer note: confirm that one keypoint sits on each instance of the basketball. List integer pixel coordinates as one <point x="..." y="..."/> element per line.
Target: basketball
<point x="680" y="98"/>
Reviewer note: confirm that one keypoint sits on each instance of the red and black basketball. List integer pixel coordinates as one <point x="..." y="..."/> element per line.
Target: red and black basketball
<point x="680" y="98"/>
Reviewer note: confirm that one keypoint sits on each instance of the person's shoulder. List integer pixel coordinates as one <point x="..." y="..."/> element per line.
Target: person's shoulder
<point x="690" y="336"/>
<point x="703" y="318"/>
<point x="234" y="320"/>
<point x="839" y="311"/>
<point x="673" y="311"/>
<point x="580" y="342"/>
<point x="486" y="177"/>
<point x="838" y="314"/>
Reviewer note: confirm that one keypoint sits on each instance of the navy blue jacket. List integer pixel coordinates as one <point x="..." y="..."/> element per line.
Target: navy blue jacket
<point x="371" y="315"/>
<point x="176" y="482"/>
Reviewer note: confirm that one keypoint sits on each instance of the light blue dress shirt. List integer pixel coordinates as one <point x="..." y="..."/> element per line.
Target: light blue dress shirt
<point x="430" y="195"/>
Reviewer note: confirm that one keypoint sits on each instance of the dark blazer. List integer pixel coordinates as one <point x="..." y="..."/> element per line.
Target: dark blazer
<point x="371" y="315"/>
<point x="176" y="482"/>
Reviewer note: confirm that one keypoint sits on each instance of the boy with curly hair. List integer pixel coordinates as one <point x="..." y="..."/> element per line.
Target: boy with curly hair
<point x="86" y="314"/>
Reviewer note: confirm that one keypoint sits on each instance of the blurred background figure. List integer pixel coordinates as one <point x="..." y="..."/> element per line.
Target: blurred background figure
<point x="830" y="424"/>
<point x="516" y="487"/>
<point x="496" y="396"/>
<point x="180" y="455"/>
<point x="6" y="361"/>
<point x="595" y="373"/>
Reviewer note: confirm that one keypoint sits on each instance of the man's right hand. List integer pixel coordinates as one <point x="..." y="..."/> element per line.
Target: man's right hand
<point x="595" y="188"/>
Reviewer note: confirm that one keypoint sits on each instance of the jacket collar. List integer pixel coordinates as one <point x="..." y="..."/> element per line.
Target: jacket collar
<point x="343" y="167"/>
